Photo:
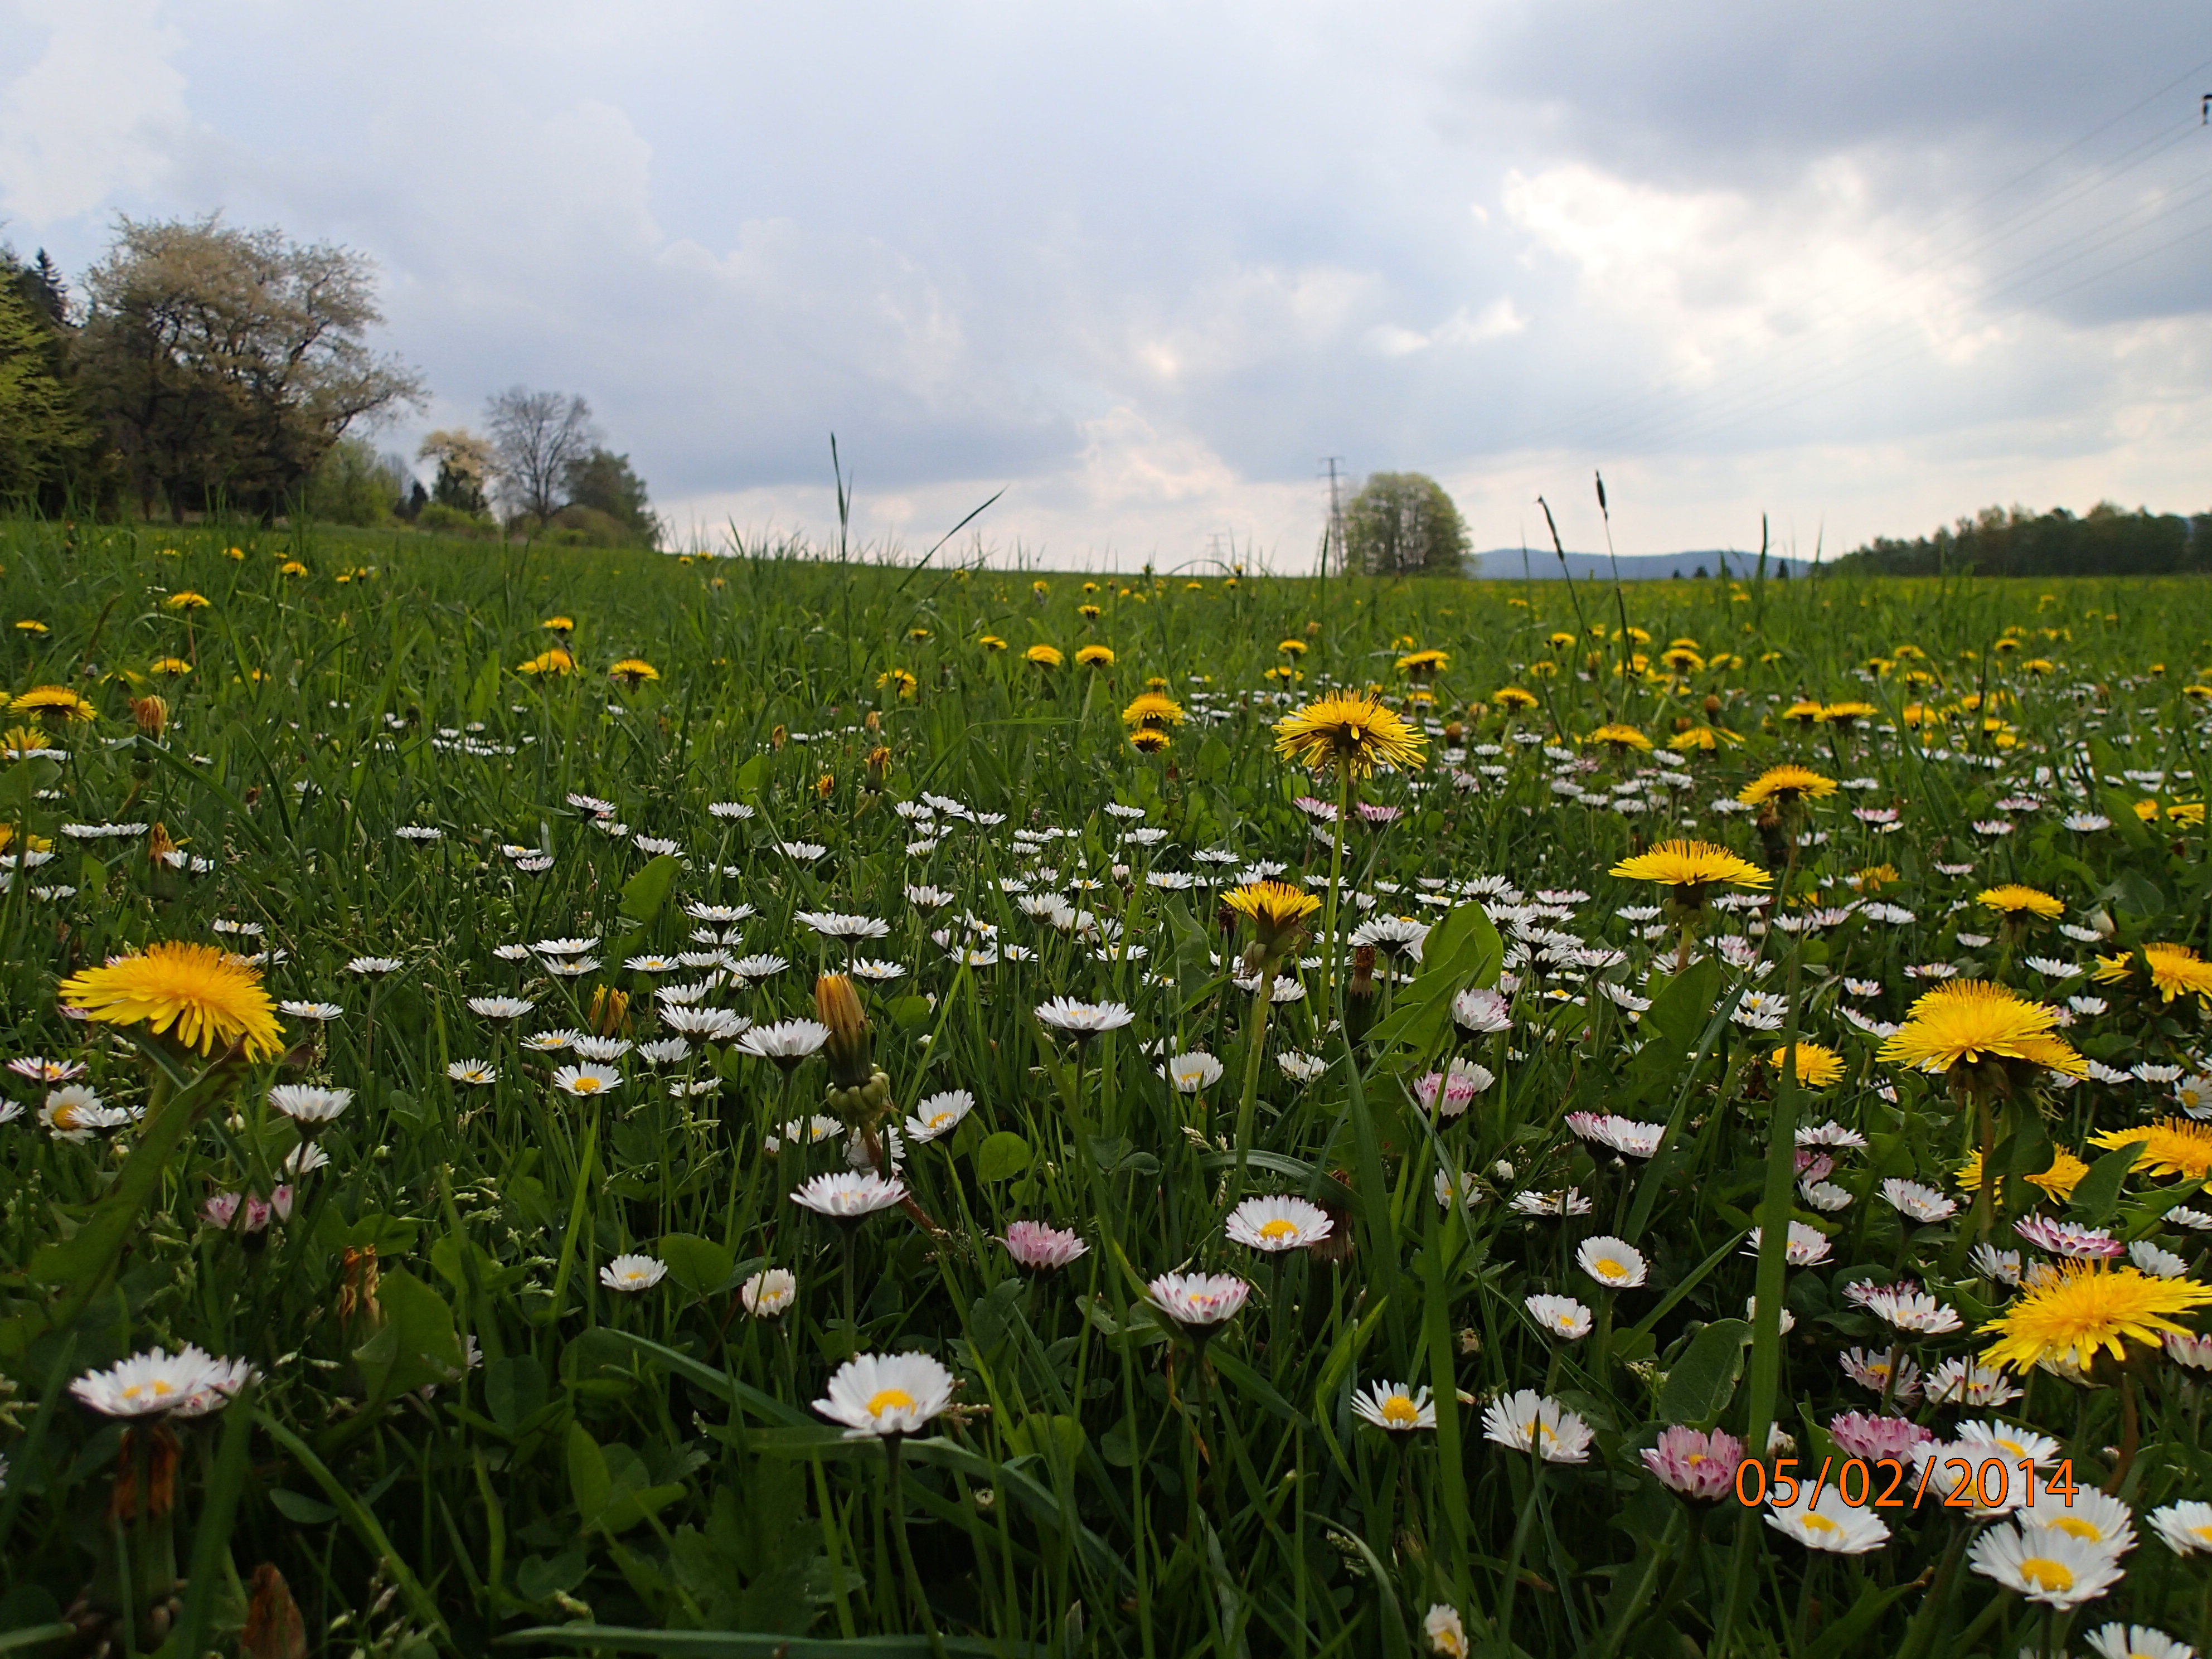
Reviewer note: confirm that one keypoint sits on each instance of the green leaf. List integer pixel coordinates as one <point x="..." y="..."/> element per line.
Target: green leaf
<point x="2099" y="1193"/>
<point x="753" y="778"/>
<point x="699" y="1265"/>
<point x="1050" y="1437"/>
<point x="514" y="1388"/>
<point x="589" y="1484"/>
<point x="1002" y="1158"/>
<point x="645" y="893"/>
<point x="300" y="1508"/>
<point x="1703" y="1380"/>
<point x="745" y="1644"/>
<point x="910" y="1013"/>
<point x="416" y="1345"/>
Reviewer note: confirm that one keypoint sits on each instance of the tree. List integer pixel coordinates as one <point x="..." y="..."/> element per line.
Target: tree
<point x="464" y="469"/>
<point x="537" y="436"/>
<point x="227" y="363"/>
<point x="353" y="485"/>
<point x="1403" y="522"/>
<point x="606" y="482"/>
<point x="42" y="429"/>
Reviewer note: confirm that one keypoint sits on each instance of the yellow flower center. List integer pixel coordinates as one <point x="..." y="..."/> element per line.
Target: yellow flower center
<point x="888" y="1400"/>
<point x="2046" y="1574"/>
<point x="1608" y="1269"/>
<point x="1813" y="1522"/>
<point x="161" y="1387"/>
<point x="2203" y="1532"/>
<point x="1399" y="1409"/>
<point x="2075" y="1527"/>
<point x="586" y="1085"/>
<point x="1279" y="1228"/>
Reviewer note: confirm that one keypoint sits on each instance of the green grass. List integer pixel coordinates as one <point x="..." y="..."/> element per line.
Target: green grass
<point x="620" y="1473"/>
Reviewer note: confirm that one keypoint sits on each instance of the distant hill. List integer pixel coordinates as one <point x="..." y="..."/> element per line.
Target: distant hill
<point x="1505" y="563"/>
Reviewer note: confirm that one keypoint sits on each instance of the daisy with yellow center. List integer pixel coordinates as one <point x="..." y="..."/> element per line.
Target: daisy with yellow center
<point x="1621" y="740"/>
<point x="1353" y="734"/>
<point x="2172" y="1147"/>
<point x="633" y="672"/>
<point x="1276" y="1224"/>
<point x="878" y="1395"/>
<point x="1397" y="1408"/>
<point x="1962" y="1025"/>
<point x="1817" y="1067"/>
<point x="1785" y="786"/>
<point x="199" y="996"/>
<point x="2078" y="1308"/>
<point x="2012" y="899"/>
<point x="1613" y="1262"/>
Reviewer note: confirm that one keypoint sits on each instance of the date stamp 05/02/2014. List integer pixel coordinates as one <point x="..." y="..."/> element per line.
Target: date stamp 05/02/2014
<point x="1888" y="1483"/>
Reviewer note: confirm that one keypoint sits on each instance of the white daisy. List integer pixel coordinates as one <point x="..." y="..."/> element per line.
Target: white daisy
<point x="939" y="1115"/>
<point x="1395" y="1407"/>
<point x="633" y="1272"/>
<point x="1613" y="1262"/>
<point x="769" y="1293"/>
<point x="847" y="1197"/>
<point x="1274" y="1225"/>
<point x="1527" y="1421"/>
<point x="886" y="1393"/>
<point x="1559" y="1316"/>
<point x="585" y="1080"/>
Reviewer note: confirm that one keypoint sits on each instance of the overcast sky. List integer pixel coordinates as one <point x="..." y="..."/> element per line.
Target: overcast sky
<point x="1143" y="265"/>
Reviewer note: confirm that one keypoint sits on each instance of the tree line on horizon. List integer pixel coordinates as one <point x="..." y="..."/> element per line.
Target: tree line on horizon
<point x="2106" y="541"/>
<point x="208" y="370"/>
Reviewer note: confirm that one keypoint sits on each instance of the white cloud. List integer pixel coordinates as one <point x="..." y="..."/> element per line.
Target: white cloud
<point x="93" y="115"/>
<point x="1144" y="266"/>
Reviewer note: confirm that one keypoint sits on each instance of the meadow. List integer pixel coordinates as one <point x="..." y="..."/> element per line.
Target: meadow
<point x="565" y="1101"/>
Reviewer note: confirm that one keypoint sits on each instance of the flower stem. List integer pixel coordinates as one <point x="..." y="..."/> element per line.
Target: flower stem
<point x="915" y="1591"/>
<point x="1327" y="1009"/>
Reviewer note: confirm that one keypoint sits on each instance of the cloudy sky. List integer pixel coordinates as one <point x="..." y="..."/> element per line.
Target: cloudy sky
<point x="1143" y="265"/>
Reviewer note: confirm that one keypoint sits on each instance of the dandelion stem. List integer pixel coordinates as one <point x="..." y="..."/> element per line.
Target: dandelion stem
<point x="1327" y="1009"/>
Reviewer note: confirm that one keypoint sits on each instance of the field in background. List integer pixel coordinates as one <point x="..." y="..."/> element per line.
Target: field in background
<point x="377" y="771"/>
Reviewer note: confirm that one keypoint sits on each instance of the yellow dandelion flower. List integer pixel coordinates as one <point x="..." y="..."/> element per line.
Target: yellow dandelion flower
<point x="2083" y="1308"/>
<point x="169" y="667"/>
<point x="1149" y="740"/>
<point x="1276" y="910"/>
<point x="555" y="661"/>
<point x="1513" y="699"/>
<point x="563" y="626"/>
<point x="1966" y="1021"/>
<point x="899" y="680"/>
<point x="1619" y="738"/>
<point x="1095" y="656"/>
<point x="633" y="672"/>
<point x="1874" y="878"/>
<point x="1692" y="866"/>
<point x="1786" y="784"/>
<point x="2172" y="1146"/>
<point x="196" y="994"/>
<point x="1817" y="1067"/>
<point x="1153" y="711"/>
<point x="54" y="702"/>
<point x="1844" y="714"/>
<point x="185" y="599"/>
<point x="2011" y="899"/>
<point x="992" y="642"/>
<point x="1292" y="647"/>
<point x="291" y="567"/>
<point x="1355" y="732"/>
<point x="1682" y="659"/>
<point x="2175" y="970"/>
<point x="2059" y="1180"/>
<point x="1423" y="664"/>
<point x="1045" y="656"/>
<point x="1804" y="712"/>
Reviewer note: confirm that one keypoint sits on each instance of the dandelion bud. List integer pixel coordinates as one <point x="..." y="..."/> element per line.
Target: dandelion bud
<point x="1712" y="708"/>
<point x="1362" y="983"/>
<point x="825" y="785"/>
<point x="875" y="721"/>
<point x="610" y="1010"/>
<point x="151" y="714"/>
<point x="778" y="737"/>
<point x="158" y="844"/>
<point x="850" y="1045"/>
<point x="879" y="765"/>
